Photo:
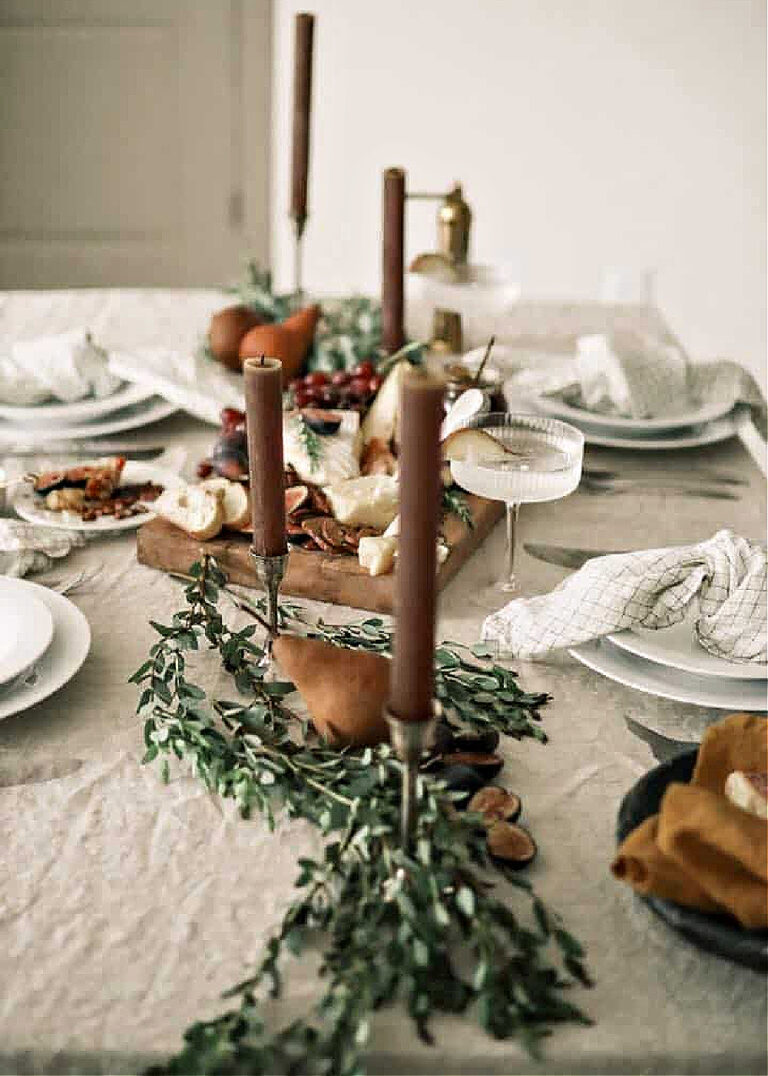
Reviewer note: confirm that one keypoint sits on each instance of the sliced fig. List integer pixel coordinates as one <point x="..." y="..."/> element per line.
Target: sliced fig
<point x="323" y="422"/>
<point x="512" y="844"/>
<point x="484" y="742"/>
<point x="486" y="765"/>
<point x="295" y="497"/>
<point x="48" y="481"/>
<point x="496" y="804"/>
<point x="444" y="739"/>
<point x="290" y="477"/>
<point x="230" y="455"/>
<point x="462" y="779"/>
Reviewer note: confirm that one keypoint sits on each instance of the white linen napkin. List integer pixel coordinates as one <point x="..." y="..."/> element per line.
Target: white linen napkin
<point x="655" y="588"/>
<point x="25" y="548"/>
<point x="192" y="381"/>
<point x="67" y="366"/>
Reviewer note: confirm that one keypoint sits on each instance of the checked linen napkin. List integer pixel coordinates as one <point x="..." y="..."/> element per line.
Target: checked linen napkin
<point x="724" y="579"/>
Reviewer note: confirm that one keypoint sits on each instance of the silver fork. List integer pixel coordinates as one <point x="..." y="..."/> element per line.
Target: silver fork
<point x="69" y="583"/>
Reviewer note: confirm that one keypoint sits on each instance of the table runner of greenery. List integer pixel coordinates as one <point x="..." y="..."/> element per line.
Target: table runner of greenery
<point x="424" y="927"/>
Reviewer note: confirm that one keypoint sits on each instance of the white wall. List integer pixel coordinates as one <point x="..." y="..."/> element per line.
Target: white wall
<point x="587" y="133"/>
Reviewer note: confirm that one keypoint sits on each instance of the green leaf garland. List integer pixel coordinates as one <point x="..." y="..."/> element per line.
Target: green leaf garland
<point x="425" y="929"/>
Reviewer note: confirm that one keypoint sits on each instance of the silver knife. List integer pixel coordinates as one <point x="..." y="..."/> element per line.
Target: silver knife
<point x="573" y="557"/>
<point x="81" y="449"/>
<point x="565" y="556"/>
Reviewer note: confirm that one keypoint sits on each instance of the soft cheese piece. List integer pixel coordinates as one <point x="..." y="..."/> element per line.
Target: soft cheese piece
<point x="377" y="555"/>
<point x="748" y="791"/>
<point x="339" y="453"/>
<point x="368" y="501"/>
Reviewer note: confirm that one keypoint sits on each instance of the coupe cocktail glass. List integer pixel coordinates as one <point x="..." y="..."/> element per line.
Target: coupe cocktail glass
<point x="542" y="462"/>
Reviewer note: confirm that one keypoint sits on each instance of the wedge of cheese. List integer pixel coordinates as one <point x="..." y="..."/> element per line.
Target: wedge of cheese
<point x="377" y="555"/>
<point x="368" y="501"/>
<point x="337" y="456"/>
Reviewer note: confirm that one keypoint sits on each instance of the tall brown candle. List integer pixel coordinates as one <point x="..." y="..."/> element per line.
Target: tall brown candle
<point x="264" y="417"/>
<point x="412" y="677"/>
<point x="393" y="255"/>
<point x="302" y="101"/>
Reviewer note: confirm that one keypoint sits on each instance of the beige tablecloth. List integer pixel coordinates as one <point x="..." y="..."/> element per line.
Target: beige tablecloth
<point x="126" y="907"/>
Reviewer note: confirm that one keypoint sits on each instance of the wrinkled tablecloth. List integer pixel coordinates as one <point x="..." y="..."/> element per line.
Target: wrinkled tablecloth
<point x="128" y="906"/>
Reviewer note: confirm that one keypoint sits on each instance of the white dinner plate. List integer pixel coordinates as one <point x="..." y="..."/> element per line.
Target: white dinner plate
<point x="709" y="433"/>
<point x="67" y="652"/>
<point x="66" y="414"/>
<point x="136" y="415"/>
<point x="677" y="648"/>
<point x="634" y="427"/>
<point x="30" y="506"/>
<point x="603" y="657"/>
<point x="26" y="628"/>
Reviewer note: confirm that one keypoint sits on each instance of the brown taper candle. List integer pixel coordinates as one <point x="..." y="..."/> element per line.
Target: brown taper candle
<point x="264" y="417"/>
<point x="412" y="678"/>
<point x="393" y="256"/>
<point x="302" y="101"/>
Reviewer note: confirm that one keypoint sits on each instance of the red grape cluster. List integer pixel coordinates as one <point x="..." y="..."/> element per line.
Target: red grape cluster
<point x="343" y="389"/>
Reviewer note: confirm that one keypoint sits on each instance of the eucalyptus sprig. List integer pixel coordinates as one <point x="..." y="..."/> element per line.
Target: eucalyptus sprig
<point x="310" y="441"/>
<point x="423" y="928"/>
<point x="455" y="503"/>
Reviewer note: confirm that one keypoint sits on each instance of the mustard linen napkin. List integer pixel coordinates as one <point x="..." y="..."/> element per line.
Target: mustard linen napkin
<point x="701" y="850"/>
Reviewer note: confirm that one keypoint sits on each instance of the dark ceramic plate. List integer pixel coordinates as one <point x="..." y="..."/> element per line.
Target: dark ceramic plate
<point x="722" y="935"/>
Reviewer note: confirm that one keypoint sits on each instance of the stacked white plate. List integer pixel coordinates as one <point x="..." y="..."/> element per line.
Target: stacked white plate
<point x="705" y="425"/>
<point x="672" y="664"/>
<point x="128" y="407"/>
<point x="44" y="639"/>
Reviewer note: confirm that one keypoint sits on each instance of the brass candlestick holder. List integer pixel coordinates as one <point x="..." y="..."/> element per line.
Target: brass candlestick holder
<point x="270" y="572"/>
<point x="410" y="740"/>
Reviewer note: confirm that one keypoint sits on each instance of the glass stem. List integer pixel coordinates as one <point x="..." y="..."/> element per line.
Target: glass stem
<point x="508" y="582"/>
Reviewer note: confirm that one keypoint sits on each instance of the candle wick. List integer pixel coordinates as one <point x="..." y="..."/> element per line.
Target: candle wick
<point x="261" y="361"/>
<point x="480" y="368"/>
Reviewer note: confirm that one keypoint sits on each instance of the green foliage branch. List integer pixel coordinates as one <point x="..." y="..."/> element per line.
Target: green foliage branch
<point x="423" y="927"/>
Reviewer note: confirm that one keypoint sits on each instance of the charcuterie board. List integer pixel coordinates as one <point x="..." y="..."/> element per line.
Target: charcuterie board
<point x="313" y="574"/>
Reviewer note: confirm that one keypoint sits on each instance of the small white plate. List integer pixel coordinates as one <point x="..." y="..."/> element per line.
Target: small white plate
<point x="26" y="628"/>
<point x="646" y="676"/>
<point x="710" y="433"/>
<point x="66" y="414"/>
<point x="30" y="506"/>
<point x="677" y="648"/>
<point x="149" y="410"/>
<point x="67" y="652"/>
<point x="632" y="427"/>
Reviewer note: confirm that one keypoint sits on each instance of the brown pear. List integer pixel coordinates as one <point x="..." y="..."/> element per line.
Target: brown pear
<point x="345" y="690"/>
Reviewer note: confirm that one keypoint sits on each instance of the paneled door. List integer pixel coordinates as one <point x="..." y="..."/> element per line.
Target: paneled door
<point x="134" y="140"/>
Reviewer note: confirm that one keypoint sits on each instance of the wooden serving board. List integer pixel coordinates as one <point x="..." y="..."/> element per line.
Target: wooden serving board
<point x="312" y="574"/>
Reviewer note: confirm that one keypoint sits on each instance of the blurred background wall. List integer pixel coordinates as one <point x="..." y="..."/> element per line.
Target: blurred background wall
<point x="134" y="140"/>
<point x="587" y="133"/>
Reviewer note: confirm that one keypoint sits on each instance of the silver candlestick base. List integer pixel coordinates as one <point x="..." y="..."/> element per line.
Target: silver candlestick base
<point x="410" y="740"/>
<point x="270" y="572"/>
